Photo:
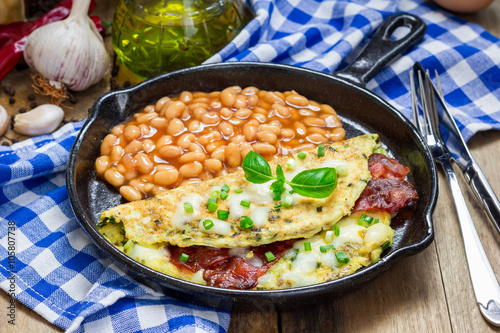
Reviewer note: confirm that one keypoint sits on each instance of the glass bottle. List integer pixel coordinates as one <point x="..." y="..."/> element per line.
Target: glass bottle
<point x="151" y="37"/>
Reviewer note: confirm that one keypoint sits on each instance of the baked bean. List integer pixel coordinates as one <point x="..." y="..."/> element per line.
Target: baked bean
<point x="148" y="145"/>
<point x="276" y="123"/>
<point x="144" y="118"/>
<point x="232" y="154"/>
<point x="133" y="147"/>
<point x="219" y="153"/>
<point x="238" y="139"/>
<point x="336" y="134"/>
<point x="120" y="168"/>
<point x="241" y="102"/>
<point x="159" y="104"/>
<point x="245" y="148"/>
<point x="287" y="133"/>
<point x="253" y="100"/>
<point x="314" y="121"/>
<point x="198" y="112"/>
<point x="175" y="110"/>
<point x="149" y="108"/>
<point x="214" y="95"/>
<point x="236" y="122"/>
<point x="113" y="177"/>
<point x="281" y="110"/>
<point x="266" y="136"/>
<point x="261" y="111"/>
<point x="163" y="140"/>
<point x="116" y="153"/>
<point x="328" y="109"/>
<point x="132" y="132"/>
<point x="142" y="186"/>
<point x="191" y="169"/>
<point x="159" y="122"/>
<point x="130" y="193"/>
<point x="166" y="177"/>
<point x="254" y="122"/>
<point x="236" y="89"/>
<point x="147" y="178"/>
<point x="316" y="138"/>
<point x="205" y="139"/>
<point x="194" y="147"/>
<point x="117" y="130"/>
<point x="108" y="142"/>
<point x="194" y="106"/>
<point x="260" y="117"/>
<point x="270" y="128"/>
<point x="130" y="174"/>
<point x="264" y="148"/>
<point x="228" y="97"/>
<point x="332" y="121"/>
<point x="145" y="130"/>
<point x="128" y="161"/>
<point x="243" y="113"/>
<point x="186" y="96"/>
<point x="297" y="100"/>
<point x="225" y="113"/>
<point x="185" y="140"/>
<point x="175" y="127"/>
<point x="211" y="118"/>
<point x="250" y="132"/>
<point x="250" y="91"/>
<point x="215" y="106"/>
<point x="213" y="164"/>
<point x="307" y="113"/>
<point x="194" y="126"/>
<point x="319" y="130"/>
<point x="226" y="128"/>
<point x="191" y="157"/>
<point x="202" y="99"/>
<point x="213" y="145"/>
<point x="273" y="97"/>
<point x="102" y="164"/>
<point x="216" y="135"/>
<point x="300" y="129"/>
<point x="170" y="151"/>
<point x="144" y="164"/>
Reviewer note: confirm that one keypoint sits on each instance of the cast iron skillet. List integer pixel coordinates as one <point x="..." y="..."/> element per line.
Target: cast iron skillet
<point x="360" y="111"/>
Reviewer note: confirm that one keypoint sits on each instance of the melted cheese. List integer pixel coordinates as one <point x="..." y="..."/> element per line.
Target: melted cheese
<point x="180" y="217"/>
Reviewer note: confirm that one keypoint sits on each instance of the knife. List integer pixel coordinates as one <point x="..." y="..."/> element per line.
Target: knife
<point x="471" y="170"/>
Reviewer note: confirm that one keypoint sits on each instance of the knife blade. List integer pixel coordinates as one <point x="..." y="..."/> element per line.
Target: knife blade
<point x="470" y="168"/>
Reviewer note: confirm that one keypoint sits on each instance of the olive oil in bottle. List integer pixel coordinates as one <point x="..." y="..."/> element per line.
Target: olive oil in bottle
<point x="151" y="37"/>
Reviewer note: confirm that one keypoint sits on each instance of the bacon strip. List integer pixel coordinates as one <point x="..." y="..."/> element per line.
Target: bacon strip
<point x="384" y="167"/>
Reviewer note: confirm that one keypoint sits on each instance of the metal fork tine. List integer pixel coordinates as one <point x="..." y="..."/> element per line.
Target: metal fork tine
<point x="425" y="104"/>
<point x="414" y="104"/>
<point x="438" y="83"/>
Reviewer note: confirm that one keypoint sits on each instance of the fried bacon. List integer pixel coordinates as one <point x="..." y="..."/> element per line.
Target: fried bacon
<point x="384" y="167"/>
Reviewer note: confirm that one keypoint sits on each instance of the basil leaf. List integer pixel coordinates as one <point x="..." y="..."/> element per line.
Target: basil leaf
<point x="279" y="173"/>
<point x="256" y="168"/>
<point x="315" y="183"/>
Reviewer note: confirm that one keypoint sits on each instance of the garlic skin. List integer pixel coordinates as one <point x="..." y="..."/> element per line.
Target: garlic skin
<point x="70" y="51"/>
<point x="43" y="119"/>
<point x="4" y="120"/>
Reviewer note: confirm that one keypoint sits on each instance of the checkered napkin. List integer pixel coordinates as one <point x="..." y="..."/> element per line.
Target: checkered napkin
<point x="60" y="273"/>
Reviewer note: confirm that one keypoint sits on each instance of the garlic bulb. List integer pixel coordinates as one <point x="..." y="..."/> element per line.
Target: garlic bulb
<point x="70" y="51"/>
<point x="43" y="119"/>
<point x="4" y="120"/>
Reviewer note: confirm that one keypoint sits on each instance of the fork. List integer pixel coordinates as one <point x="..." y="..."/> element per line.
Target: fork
<point x="484" y="282"/>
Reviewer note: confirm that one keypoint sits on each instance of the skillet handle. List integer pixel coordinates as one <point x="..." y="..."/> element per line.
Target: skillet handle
<point x="381" y="49"/>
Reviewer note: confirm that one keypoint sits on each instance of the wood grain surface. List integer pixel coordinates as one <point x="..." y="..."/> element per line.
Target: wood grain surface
<point x="428" y="292"/>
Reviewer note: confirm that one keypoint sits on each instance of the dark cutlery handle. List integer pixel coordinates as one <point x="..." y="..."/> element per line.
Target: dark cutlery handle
<point x="382" y="49"/>
<point x="484" y="193"/>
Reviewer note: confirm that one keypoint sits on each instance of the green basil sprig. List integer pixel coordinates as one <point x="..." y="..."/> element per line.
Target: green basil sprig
<point x="314" y="183"/>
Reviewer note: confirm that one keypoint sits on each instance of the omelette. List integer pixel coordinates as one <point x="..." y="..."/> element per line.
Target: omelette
<point x="310" y="241"/>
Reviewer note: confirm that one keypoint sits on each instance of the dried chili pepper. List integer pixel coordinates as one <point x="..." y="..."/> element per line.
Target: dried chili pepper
<point x="13" y="36"/>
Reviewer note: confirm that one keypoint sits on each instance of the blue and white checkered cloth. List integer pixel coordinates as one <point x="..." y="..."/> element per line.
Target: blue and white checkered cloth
<point x="62" y="275"/>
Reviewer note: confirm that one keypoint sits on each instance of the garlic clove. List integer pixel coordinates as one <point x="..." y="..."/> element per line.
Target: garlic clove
<point x="4" y="120"/>
<point x="43" y="119"/>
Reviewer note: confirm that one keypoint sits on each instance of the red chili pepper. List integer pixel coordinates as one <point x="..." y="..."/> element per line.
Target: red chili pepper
<point x="13" y="36"/>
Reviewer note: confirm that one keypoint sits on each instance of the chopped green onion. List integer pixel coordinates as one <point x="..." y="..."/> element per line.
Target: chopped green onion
<point x="321" y="150"/>
<point x="188" y="208"/>
<point x="329" y="236"/>
<point x="208" y="224"/>
<point x="225" y="188"/>
<point x="214" y="192"/>
<point x="238" y="190"/>
<point x="301" y="155"/>
<point x="375" y="221"/>
<point x="288" y="201"/>
<point x="129" y="245"/>
<point x="376" y="260"/>
<point x="325" y="248"/>
<point x="246" y="222"/>
<point x="277" y="195"/>
<point x="143" y="261"/>
<point x="278" y="206"/>
<point x="291" y="164"/>
<point x="365" y="220"/>
<point x="245" y="203"/>
<point x="342" y="257"/>
<point x="386" y="245"/>
<point x="212" y="205"/>
<point x="270" y="256"/>
<point x="380" y="150"/>
<point x="341" y="170"/>
<point x="336" y="228"/>
<point x="222" y="214"/>
<point x="184" y="257"/>
<point x="224" y="195"/>
<point x="307" y="246"/>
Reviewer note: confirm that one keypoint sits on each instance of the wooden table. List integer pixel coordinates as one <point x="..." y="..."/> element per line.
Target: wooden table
<point x="429" y="292"/>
